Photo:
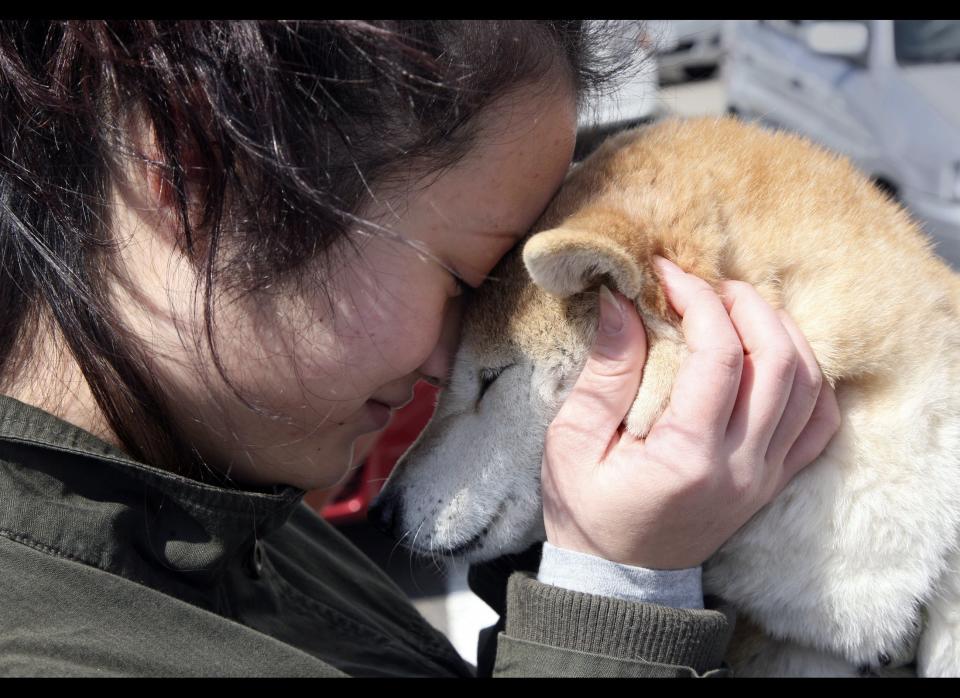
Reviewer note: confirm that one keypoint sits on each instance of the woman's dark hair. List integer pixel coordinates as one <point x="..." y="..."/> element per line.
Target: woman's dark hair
<point x="278" y="130"/>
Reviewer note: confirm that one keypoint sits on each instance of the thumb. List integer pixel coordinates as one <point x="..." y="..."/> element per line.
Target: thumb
<point x="593" y="412"/>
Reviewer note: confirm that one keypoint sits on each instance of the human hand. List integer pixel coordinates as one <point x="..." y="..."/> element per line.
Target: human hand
<point x="749" y="409"/>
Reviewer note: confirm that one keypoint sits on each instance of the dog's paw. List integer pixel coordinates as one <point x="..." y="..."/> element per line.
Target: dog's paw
<point x="900" y="659"/>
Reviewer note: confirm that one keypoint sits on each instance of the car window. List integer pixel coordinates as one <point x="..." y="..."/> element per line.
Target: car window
<point x="926" y="41"/>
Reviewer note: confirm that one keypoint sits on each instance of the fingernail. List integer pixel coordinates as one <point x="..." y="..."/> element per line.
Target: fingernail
<point x="665" y="267"/>
<point x="611" y="314"/>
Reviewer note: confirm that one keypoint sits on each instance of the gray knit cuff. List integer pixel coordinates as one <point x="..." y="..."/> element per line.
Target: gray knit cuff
<point x="594" y="575"/>
<point x="603" y="625"/>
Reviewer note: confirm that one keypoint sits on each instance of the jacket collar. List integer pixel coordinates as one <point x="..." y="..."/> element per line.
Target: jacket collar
<point x="66" y="492"/>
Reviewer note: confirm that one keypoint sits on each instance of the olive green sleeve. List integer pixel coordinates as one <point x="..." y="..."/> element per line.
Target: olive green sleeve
<point x="550" y="631"/>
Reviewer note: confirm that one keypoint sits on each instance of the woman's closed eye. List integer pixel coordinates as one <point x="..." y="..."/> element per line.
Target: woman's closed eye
<point x="462" y="286"/>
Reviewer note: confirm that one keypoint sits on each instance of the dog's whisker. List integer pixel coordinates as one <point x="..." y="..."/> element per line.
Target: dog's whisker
<point x="413" y="545"/>
<point x="395" y="546"/>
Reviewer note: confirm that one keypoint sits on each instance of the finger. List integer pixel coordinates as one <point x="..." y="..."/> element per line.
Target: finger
<point x="706" y="385"/>
<point x="823" y="425"/>
<point x="771" y="364"/>
<point x="607" y="385"/>
<point x="807" y="381"/>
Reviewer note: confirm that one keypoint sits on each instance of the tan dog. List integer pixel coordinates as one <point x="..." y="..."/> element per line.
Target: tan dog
<point x="856" y="563"/>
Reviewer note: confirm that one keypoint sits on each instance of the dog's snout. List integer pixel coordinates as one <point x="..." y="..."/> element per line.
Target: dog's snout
<point x="384" y="514"/>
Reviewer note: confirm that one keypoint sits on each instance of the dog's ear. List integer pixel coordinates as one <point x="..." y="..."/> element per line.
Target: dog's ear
<point x="565" y="262"/>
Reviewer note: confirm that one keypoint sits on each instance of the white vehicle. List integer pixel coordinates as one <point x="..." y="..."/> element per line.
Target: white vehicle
<point x="687" y="48"/>
<point x="886" y="93"/>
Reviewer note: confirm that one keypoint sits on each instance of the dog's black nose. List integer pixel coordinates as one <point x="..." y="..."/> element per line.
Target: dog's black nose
<point x="384" y="514"/>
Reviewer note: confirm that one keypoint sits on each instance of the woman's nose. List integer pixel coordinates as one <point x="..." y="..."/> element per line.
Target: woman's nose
<point x="436" y="368"/>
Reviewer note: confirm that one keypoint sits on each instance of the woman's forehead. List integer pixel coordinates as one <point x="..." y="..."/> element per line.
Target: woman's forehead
<point x="482" y="206"/>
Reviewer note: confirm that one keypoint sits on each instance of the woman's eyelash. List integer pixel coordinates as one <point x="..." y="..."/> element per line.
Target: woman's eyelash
<point x="462" y="286"/>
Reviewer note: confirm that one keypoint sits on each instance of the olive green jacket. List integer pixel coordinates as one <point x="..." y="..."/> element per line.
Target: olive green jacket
<point x="109" y="567"/>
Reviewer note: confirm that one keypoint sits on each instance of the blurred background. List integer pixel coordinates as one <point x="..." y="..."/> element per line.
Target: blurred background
<point x="885" y="93"/>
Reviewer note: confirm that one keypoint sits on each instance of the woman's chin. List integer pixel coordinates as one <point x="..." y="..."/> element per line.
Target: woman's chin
<point x="338" y="465"/>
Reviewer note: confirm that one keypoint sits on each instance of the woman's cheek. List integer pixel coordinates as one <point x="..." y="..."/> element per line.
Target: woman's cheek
<point x="414" y="339"/>
<point x="440" y="361"/>
<point x="401" y="334"/>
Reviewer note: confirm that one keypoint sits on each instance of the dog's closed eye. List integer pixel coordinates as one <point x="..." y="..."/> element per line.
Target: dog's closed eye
<point x="487" y="378"/>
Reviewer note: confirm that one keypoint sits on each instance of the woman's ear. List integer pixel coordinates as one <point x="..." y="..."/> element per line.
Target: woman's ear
<point x="564" y="262"/>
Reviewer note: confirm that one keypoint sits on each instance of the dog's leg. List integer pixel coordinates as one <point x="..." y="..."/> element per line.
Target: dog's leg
<point x="753" y="654"/>
<point x="845" y="557"/>
<point x="939" y="650"/>
<point x="664" y="356"/>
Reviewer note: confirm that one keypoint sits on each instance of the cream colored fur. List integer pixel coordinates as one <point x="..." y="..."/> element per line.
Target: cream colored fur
<point x="855" y="566"/>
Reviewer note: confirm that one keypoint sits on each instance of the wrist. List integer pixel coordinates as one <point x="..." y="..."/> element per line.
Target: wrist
<point x="658" y="557"/>
<point x="587" y="573"/>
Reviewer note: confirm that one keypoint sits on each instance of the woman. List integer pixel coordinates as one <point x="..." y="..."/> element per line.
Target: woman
<point x="229" y="250"/>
